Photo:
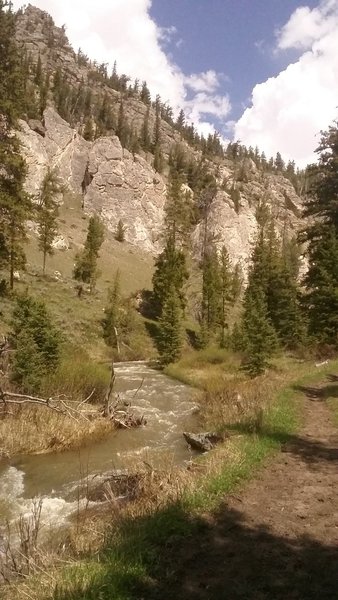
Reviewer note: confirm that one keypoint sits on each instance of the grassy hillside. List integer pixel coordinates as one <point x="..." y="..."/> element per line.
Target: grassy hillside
<point x="80" y="318"/>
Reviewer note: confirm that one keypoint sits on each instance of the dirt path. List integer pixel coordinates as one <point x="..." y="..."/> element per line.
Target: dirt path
<point x="278" y="539"/>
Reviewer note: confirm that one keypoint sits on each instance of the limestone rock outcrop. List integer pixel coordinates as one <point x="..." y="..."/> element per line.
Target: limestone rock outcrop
<point x="112" y="183"/>
<point x="123" y="187"/>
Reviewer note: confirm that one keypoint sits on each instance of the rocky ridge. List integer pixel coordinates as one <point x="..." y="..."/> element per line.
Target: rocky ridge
<point x="119" y="186"/>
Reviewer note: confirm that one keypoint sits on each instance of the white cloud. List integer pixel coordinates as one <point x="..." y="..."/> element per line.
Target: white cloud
<point x="289" y="110"/>
<point x="203" y="82"/>
<point x="305" y="26"/>
<point x="205" y="104"/>
<point x="123" y="30"/>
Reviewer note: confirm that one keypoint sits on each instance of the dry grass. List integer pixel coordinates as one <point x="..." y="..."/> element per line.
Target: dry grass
<point x="164" y="495"/>
<point x="34" y="430"/>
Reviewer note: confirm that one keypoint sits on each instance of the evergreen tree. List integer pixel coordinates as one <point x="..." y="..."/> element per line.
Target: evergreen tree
<point x="145" y="94"/>
<point x="226" y="292"/>
<point x="180" y="122"/>
<point x="170" y="338"/>
<point x="211" y="299"/>
<point x="178" y="209"/>
<point x="112" y="314"/>
<point x="170" y="273"/>
<point x="322" y="235"/>
<point x="47" y="213"/>
<point x="38" y="73"/>
<point x="279" y="162"/>
<point x="145" y="136"/>
<point x="85" y="268"/>
<point x="321" y="282"/>
<point x="15" y="204"/>
<point x="258" y="335"/>
<point x="122" y="130"/>
<point x="36" y="341"/>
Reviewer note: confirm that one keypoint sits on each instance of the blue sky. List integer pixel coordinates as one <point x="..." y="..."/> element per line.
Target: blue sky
<point x="264" y="72"/>
<point x="233" y="37"/>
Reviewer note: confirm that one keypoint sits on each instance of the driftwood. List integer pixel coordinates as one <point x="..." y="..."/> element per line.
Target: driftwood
<point x="119" y="411"/>
<point x="59" y="404"/>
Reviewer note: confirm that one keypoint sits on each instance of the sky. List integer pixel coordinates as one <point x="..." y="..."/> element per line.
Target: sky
<point x="263" y="72"/>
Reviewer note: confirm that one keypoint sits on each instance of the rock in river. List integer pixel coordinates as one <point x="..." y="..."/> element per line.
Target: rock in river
<point x="203" y="441"/>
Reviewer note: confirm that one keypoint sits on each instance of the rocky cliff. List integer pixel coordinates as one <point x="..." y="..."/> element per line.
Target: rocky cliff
<point x="120" y="186"/>
<point x="110" y="180"/>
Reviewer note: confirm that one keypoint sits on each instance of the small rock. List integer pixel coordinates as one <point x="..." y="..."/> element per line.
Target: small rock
<point x="16" y="276"/>
<point x="60" y="243"/>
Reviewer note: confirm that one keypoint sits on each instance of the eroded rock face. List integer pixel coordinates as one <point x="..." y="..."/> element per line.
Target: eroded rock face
<point x="117" y="185"/>
<point x="113" y="183"/>
<point x="127" y="189"/>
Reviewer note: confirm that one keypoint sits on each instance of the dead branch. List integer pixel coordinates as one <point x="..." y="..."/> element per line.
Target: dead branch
<point x="58" y="404"/>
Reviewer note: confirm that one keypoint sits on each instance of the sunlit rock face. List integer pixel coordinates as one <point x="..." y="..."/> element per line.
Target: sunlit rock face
<point x="123" y="187"/>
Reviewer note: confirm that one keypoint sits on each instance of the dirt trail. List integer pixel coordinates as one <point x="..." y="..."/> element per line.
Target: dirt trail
<point x="278" y="539"/>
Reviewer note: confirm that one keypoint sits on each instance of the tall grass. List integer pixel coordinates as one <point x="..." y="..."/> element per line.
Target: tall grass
<point x="77" y="377"/>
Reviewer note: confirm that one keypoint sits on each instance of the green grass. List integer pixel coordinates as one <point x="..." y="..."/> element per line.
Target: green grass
<point x="78" y="318"/>
<point x="205" y="369"/>
<point x="143" y="549"/>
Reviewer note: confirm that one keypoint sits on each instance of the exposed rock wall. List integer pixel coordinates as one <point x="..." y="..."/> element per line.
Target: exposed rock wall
<point x="113" y="183"/>
<point x="119" y="186"/>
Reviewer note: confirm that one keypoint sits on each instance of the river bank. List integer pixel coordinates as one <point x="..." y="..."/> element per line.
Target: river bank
<point x="170" y="509"/>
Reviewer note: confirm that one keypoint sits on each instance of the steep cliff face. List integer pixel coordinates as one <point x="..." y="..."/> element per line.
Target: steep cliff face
<point x="111" y="182"/>
<point x="120" y="186"/>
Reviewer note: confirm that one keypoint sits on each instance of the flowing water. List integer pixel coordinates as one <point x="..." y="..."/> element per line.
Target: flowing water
<point x="168" y="407"/>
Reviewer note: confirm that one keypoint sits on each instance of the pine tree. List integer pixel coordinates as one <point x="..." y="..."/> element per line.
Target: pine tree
<point x="38" y="73"/>
<point x="178" y="210"/>
<point x="170" y="338"/>
<point x="36" y="341"/>
<point x="112" y="314"/>
<point x="180" y="122"/>
<point x="122" y="130"/>
<point x="15" y="204"/>
<point x="211" y="284"/>
<point x="259" y="337"/>
<point x="170" y="272"/>
<point x="321" y="280"/>
<point x="145" y="94"/>
<point x="47" y="213"/>
<point x="145" y="136"/>
<point x="226" y="292"/>
<point x="85" y="268"/>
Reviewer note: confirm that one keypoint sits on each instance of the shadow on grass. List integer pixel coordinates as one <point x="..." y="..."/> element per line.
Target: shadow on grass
<point x="171" y="556"/>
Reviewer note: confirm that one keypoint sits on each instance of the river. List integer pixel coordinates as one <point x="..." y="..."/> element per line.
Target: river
<point x="167" y="405"/>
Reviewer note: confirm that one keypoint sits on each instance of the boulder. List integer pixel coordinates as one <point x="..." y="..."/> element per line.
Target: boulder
<point x="203" y="442"/>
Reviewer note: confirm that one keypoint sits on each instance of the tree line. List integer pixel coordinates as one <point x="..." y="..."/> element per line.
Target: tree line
<point x="279" y="310"/>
